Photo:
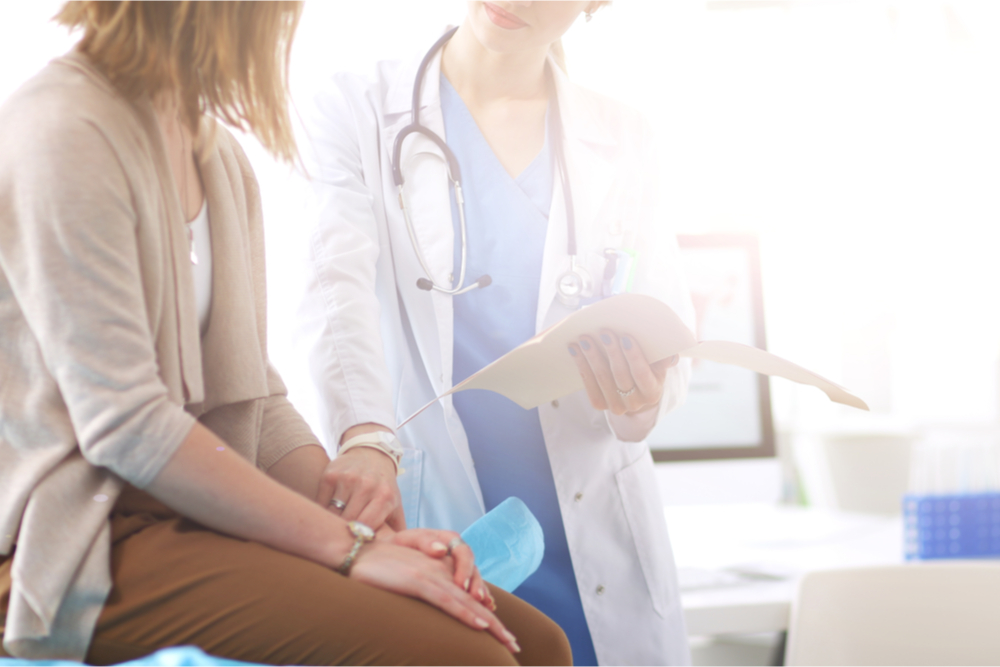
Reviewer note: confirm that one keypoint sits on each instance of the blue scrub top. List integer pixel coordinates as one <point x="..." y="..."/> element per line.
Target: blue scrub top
<point x="506" y="222"/>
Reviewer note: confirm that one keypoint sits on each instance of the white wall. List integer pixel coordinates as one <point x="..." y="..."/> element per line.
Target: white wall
<point x="861" y="141"/>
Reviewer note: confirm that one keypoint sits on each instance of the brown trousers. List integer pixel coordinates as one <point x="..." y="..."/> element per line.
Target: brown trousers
<point x="176" y="583"/>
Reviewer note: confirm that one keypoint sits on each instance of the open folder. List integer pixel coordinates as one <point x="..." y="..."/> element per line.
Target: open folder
<point x="541" y="369"/>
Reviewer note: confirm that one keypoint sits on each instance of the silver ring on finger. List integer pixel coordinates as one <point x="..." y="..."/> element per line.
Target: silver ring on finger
<point x="625" y="394"/>
<point x="454" y="544"/>
<point x="337" y="504"/>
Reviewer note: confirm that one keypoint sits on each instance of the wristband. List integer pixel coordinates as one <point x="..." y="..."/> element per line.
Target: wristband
<point x="383" y="441"/>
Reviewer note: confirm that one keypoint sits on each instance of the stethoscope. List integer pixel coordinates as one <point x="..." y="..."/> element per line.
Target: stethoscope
<point x="570" y="286"/>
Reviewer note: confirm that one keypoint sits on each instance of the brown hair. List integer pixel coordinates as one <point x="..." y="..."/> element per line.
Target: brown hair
<point x="228" y="59"/>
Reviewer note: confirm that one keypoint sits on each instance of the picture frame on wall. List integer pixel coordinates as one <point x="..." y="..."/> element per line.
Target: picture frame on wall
<point x="727" y="413"/>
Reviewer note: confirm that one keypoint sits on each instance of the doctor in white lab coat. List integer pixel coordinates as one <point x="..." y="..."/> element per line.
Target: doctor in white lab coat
<point x="379" y="347"/>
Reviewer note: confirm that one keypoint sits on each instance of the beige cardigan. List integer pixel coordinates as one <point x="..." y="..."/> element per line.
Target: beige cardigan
<point x="102" y="372"/>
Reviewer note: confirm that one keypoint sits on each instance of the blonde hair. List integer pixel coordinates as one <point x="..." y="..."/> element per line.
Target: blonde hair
<point x="227" y="59"/>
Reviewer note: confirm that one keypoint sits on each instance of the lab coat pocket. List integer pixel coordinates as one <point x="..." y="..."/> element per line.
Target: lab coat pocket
<point x="644" y="512"/>
<point x="409" y="484"/>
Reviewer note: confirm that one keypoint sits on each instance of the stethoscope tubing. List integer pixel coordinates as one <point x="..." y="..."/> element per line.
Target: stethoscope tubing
<point x="455" y="176"/>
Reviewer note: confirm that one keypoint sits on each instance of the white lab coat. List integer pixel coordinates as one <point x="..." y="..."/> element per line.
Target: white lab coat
<point x="379" y="347"/>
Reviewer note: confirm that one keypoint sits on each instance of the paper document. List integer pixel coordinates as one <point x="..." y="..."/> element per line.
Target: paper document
<point x="541" y="369"/>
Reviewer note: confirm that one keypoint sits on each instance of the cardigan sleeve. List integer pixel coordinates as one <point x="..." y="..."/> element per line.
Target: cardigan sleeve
<point x="282" y="429"/>
<point x="69" y="249"/>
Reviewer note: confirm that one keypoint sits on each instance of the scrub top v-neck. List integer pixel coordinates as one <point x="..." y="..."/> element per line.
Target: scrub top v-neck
<point x="507" y="220"/>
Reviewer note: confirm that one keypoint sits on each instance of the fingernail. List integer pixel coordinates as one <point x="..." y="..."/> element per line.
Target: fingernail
<point x="584" y="344"/>
<point x="514" y="647"/>
<point x="481" y="623"/>
<point x="626" y="342"/>
<point x="438" y="546"/>
<point x="510" y="637"/>
<point x="467" y="585"/>
<point x="572" y="351"/>
<point x="606" y="339"/>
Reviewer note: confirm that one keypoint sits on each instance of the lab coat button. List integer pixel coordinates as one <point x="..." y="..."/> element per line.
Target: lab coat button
<point x="600" y="589"/>
<point x="451" y="278"/>
<point x="578" y="497"/>
<point x="555" y="404"/>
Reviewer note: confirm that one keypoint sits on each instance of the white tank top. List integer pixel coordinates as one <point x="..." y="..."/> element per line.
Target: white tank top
<point x="201" y="265"/>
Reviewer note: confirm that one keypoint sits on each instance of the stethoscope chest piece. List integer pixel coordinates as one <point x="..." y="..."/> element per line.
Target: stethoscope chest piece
<point x="573" y="285"/>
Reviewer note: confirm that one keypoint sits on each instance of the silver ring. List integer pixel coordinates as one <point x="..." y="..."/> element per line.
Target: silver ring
<point x="453" y="544"/>
<point x="337" y="504"/>
<point x="625" y="394"/>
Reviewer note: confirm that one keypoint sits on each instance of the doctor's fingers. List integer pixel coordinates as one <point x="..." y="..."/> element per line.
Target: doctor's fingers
<point x="601" y="366"/>
<point x="649" y="378"/>
<point x="365" y="499"/>
<point x="590" y="382"/>
<point x="638" y="393"/>
<point x="355" y="488"/>
<point x="661" y="367"/>
<point x="397" y="519"/>
<point x="377" y="503"/>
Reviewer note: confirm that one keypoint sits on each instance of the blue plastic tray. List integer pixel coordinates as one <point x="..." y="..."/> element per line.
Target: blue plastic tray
<point x="951" y="526"/>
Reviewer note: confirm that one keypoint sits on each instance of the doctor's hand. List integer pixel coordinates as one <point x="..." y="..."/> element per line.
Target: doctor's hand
<point x="616" y="374"/>
<point x="360" y="485"/>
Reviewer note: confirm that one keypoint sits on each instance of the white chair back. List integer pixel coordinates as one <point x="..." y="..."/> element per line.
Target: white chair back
<point x="936" y="613"/>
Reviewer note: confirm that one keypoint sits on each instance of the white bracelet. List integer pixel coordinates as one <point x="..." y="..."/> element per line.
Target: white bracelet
<point x="382" y="441"/>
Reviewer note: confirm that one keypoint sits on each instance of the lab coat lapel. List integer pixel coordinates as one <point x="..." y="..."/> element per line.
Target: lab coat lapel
<point x="591" y="173"/>
<point x="426" y="188"/>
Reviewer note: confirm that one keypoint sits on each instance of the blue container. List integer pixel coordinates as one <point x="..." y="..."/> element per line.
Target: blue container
<point x="508" y="543"/>
<point x="951" y="526"/>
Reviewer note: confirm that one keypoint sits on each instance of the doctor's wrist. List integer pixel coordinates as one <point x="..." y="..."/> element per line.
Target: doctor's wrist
<point x="358" y="429"/>
<point x="373" y="458"/>
<point x="379" y="440"/>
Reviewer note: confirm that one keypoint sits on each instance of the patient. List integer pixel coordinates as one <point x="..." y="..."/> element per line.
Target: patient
<point x="156" y="487"/>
